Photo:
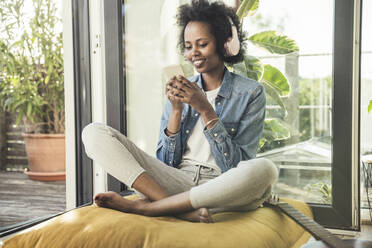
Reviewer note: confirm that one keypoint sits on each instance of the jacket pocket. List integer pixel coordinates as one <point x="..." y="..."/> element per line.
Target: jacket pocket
<point x="231" y="128"/>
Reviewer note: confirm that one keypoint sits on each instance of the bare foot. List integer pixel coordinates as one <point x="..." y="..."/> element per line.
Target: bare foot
<point x="115" y="201"/>
<point x="198" y="215"/>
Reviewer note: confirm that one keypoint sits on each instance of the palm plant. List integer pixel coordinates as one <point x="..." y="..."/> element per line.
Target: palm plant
<point x="275" y="82"/>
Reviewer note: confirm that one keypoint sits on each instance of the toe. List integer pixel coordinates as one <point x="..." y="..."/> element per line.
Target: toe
<point x="96" y="198"/>
<point x="204" y="214"/>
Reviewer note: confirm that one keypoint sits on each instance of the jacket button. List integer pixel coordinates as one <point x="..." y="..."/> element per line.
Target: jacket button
<point x="232" y="129"/>
<point x="218" y="103"/>
<point x="215" y="134"/>
<point x="196" y="114"/>
<point x="187" y="131"/>
<point x="225" y="154"/>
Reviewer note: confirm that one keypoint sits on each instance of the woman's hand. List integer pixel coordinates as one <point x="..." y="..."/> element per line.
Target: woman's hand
<point x="190" y="93"/>
<point x="171" y="90"/>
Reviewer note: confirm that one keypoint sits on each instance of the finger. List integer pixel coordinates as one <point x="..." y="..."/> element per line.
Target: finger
<point x="196" y="88"/>
<point x="177" y="92"/>
<point x="172" y="87"/>
<point x="175" y="98"/>
<point x="184" y="81"/>
<point x="168" y="88"/>
<point x="182" y="78"/>
<point x="178" y="84"/>
<point x="178" y="98"/>
<point x="171" y="98"/>
<point x="172" y="80"/>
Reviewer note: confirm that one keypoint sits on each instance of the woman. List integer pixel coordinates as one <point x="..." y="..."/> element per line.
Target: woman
<point x="209" y="135"/>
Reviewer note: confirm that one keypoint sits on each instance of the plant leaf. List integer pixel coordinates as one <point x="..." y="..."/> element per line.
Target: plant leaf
<point x="370" y="106"/>
<point x="262" y="143"/>
<point x="251" y="67"/>
<point x="276" y="79"/>
<point x="238" y="68"/>
<point x="19" y="116"/>
<point x="47" y="78"/>
<point x="254" y="8"/>
<point x="275" y="129"/>
<point x="254" y="67"/>
<point x="29" y="109"/>
<point x="274" y="42"/>
<point x="274" y="95"/>
<point x="247" y="6"/>
<point x="8" y="102"/>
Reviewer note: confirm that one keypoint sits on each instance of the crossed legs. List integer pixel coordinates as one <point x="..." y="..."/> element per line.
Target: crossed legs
<point x="241" y="188"/>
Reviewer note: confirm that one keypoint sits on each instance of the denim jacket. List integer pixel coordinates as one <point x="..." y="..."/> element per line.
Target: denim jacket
<point x="240" y="106"/>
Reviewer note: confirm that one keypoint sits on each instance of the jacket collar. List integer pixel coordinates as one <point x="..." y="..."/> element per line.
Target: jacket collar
<point x="226" y="86"/>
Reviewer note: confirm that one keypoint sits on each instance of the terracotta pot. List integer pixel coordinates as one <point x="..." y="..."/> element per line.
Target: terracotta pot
<point x="46" y="156"/>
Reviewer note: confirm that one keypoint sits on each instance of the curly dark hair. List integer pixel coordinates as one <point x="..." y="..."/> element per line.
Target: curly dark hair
<point x="215" y="15"/>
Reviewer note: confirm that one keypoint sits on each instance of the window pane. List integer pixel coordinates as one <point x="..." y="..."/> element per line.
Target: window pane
<point x="305" y="156"/>
<point x="303" y="147"/>
<point x="32" y="142"/>
<point x="150" y="43"/>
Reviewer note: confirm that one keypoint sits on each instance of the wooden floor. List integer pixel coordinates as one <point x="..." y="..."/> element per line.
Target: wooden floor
<point x="23" y="199"/>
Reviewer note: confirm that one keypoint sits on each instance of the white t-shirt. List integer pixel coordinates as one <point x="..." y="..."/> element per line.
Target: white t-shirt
<point x="198" y="150"/>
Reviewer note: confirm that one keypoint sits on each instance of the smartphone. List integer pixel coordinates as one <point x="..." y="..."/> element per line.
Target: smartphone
<point x="172" y="70"/>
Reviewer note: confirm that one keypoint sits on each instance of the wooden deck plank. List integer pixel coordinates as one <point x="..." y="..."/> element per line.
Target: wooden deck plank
<point x="23" y="199"/>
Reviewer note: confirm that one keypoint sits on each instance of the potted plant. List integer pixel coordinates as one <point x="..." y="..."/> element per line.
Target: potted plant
<point x="32" y="83"/>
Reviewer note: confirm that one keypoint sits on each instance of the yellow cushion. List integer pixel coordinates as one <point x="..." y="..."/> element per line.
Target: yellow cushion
<point x="100" y="227"/>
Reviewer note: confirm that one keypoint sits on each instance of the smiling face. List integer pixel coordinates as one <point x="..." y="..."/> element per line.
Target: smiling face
<point x="200" y="48"/>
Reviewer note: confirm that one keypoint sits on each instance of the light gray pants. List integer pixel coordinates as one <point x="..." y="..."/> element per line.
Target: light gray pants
<point x="242" y="188"/>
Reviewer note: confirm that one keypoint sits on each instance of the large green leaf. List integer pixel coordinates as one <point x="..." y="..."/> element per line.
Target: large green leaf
<point x="238" y="68"/>
<point x="275" y="96"/>
<point x="370" y="106"/>
<point x="254" y="67"/>
<point x="250" y="67"/>
<point x="274" y="42"/>
<point x="275" y="129"/>
<point x="247" y="7"/>
<point x="276" y="79"/>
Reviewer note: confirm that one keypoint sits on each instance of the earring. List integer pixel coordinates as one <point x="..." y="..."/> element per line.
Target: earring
<point x="232" y="45"/>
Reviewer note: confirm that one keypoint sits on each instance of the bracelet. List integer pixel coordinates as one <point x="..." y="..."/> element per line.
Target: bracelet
<point x="209" y="122"/>
<point x="171" y="133"/>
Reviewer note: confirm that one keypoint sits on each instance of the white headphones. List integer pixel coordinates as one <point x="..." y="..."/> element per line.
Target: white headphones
<point x="232" y="45"/>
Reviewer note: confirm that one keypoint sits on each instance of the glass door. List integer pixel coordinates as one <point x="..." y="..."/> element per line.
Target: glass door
<point x="310" y="131"/>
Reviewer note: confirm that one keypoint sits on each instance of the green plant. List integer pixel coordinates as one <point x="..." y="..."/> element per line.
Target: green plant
<point x="370" y="106"/>
<point x="324" y="189"/>
<point x="275" y="82"/>
<point x="31" y="65"/>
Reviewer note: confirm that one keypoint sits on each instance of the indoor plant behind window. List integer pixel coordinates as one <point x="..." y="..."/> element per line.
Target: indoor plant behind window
<point x="32" y="83"/>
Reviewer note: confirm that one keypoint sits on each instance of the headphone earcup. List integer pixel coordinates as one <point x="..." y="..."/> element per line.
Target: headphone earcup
<point x="232" y="45"/>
